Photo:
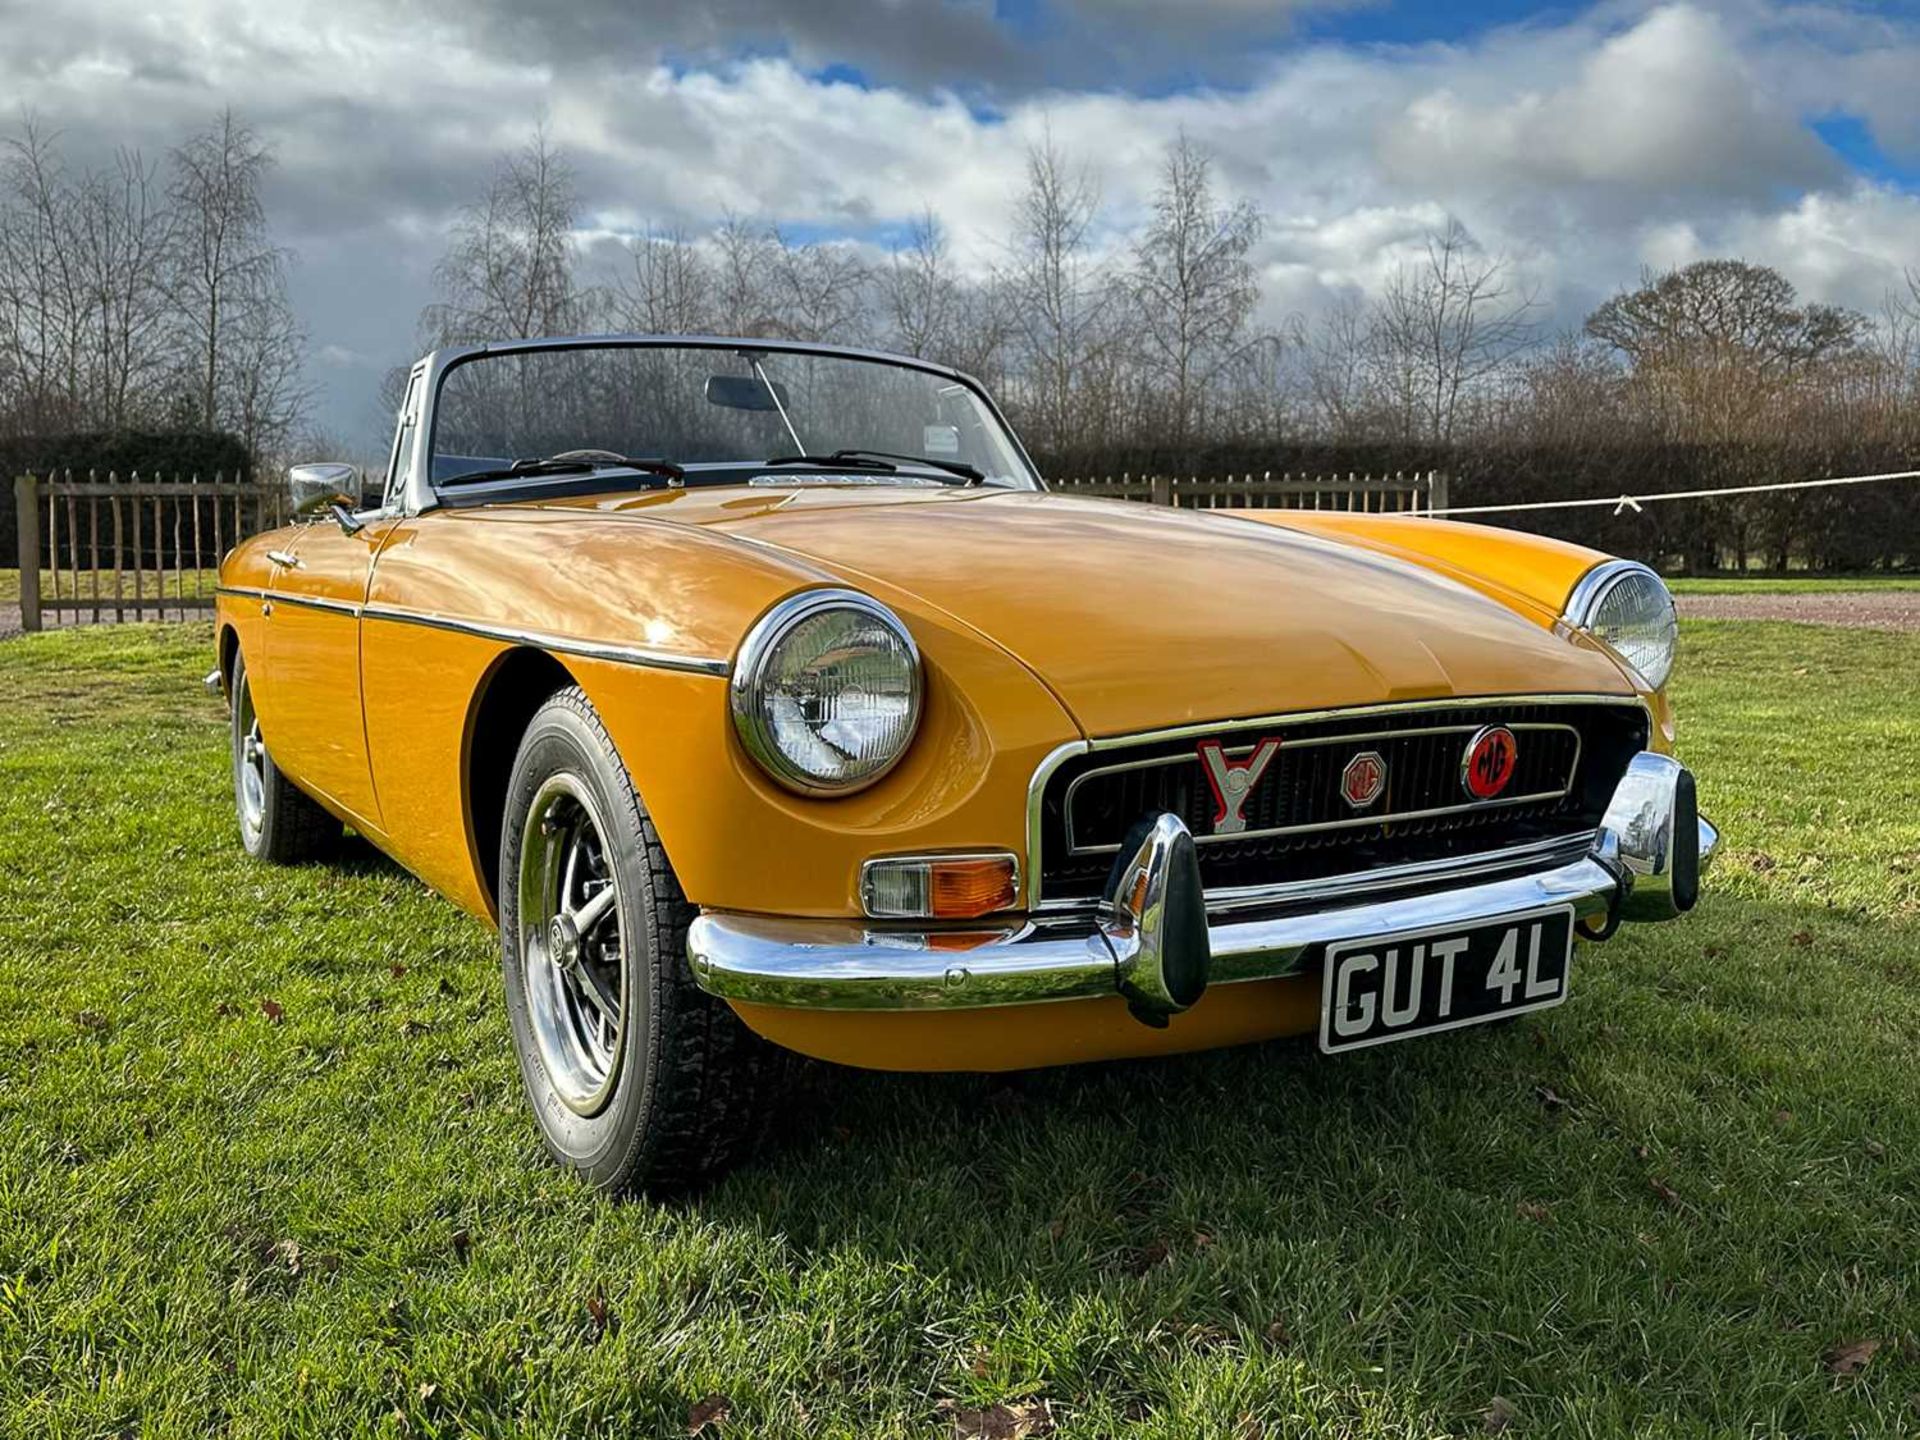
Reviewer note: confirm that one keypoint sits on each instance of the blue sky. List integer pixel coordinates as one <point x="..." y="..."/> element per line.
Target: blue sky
<point x="1581" y="143"/>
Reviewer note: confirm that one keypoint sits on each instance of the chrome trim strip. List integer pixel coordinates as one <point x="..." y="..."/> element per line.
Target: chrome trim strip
<point x="1231" y="899"/>
<point x="305" y="602"/>
<point x="513" y="635"/>
<point x="1304" y="717"/>
<point x="559" y="644"/>
<point x="1591" y="588"/>
<point x="1375" y="818"/>
<point x="1036" y="792"/>
<point x="1351" y="823"/>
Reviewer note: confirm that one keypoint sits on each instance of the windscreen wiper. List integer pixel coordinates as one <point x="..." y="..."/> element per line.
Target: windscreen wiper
<point x="579" y="465"/>
<point x="844" y="459"/>
<point x="952" y="467"/>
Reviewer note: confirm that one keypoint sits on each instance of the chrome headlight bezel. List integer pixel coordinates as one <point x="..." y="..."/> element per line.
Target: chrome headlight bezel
<point x="1611" y="580"/>
<point x="748" y="692"/>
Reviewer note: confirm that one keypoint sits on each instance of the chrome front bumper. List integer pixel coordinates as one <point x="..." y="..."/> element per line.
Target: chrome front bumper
<point x="1151" y="940"/>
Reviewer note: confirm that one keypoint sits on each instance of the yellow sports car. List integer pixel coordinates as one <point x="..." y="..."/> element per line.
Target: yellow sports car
<point x="765" y="699"/>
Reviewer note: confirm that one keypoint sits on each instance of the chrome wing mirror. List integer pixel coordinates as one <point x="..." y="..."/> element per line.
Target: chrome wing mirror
<point x="327" y="488"/>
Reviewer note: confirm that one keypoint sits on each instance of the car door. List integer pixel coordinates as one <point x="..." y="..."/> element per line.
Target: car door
<point x="314" y="640"/>
<point x="313" y="647"/>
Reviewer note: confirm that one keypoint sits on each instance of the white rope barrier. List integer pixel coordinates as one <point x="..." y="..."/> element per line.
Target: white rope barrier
<point x="1622" y="503"/>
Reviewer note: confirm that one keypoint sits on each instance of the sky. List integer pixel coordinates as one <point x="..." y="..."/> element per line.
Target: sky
<point x="1584" y="143"/>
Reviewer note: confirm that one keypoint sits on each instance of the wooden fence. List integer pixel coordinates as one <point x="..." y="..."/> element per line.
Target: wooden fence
<point x="137" y="548"/>
<point x="1415" y="493"/>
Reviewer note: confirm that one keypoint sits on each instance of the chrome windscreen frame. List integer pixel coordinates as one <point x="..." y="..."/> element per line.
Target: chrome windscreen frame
<point x="416" y="484"/>
<point x="1358" y="882"/>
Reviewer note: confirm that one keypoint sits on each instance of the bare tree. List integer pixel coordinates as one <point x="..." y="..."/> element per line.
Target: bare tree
<point x="1337" y="379"/>
<point x="124" y="234"/>
<point x="741" y="278"/>
<point x="1194" y="287"/>
<point x="1714" y="347"/>
<point x="920" y="296"/>
<point x="1059" y="306"/>
<point x="983" y="331"/>
<point x="83" y="295"/>
<point x="508" y="272"/>
<point x="122" y="303"/>
<point x="1445" y="328"/>
<point x="228" y="278"/>
<point x="42" y="299"/>
<point x="1723" y="306"/>
<point x="668" y="290"/>
<point x="818" y="291"/>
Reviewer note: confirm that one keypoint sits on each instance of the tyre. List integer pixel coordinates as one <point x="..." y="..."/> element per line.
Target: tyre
<point x="639" y="1079"/>
<point x="277" y="822"/>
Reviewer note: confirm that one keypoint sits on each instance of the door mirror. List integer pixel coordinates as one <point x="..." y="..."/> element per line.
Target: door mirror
<point x="327" y="488"/>
<point x="316" y="489"/>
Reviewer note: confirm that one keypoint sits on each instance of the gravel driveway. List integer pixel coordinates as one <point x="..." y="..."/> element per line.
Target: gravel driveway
<point x="1854" y="609"/>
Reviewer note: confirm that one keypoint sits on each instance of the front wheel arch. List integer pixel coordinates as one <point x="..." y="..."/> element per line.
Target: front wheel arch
<point x="510" y="693"/>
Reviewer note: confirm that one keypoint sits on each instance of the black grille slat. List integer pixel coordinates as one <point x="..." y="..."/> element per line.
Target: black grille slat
<point x="1301" y="788"/>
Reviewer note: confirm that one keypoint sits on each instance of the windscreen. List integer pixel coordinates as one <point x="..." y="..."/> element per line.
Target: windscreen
<point x="699" y="406"/>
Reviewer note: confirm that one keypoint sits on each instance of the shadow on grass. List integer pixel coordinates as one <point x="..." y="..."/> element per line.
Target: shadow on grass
<point x="1664" y="1199"/>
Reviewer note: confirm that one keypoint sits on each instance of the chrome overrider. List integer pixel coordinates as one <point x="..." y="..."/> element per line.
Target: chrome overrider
<point x="1151" y="939"/>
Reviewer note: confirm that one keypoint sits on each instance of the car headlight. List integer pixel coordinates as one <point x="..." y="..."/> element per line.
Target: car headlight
<point x="1626" y="606"/>
<point x="826" y="691"/>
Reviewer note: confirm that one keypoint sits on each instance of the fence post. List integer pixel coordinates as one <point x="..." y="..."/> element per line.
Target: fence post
<point x="1436" y="490"/>
<point x="1160" y="491"/>
<point x="26" y="505"/>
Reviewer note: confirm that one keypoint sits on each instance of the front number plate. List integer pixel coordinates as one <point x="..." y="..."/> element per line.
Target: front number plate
<point x="1396" y="986"/>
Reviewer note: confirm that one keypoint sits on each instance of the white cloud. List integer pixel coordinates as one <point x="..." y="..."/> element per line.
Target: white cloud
<point x="1847" y="248"/>
<point x="1583" y="148"/>
<point x="1667" y="106"/>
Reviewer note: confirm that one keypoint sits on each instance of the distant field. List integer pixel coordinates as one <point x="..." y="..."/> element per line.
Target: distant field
<point x="83" y="584"/>
<point x="265" y="1168"/>
<point x="1792" y="585"/>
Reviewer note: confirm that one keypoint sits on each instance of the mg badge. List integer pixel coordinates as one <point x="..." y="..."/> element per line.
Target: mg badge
<point x="1233" y="781"/>
<point x="1488" y="764"/>
<point x="1363" y="779"/>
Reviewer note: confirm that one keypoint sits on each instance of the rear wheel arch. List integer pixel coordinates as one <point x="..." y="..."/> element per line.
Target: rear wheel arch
<point x="229" y="652"/>
<point x="511" y="692"/>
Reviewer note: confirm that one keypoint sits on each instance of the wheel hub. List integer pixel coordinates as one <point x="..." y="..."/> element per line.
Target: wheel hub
<point x="563" y="942"/>
<point x="572" y="950"/>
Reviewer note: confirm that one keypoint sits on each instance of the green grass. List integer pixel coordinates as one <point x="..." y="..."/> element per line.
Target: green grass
<point x="82" y="584"/>
<point x="1789" y="585"/>
<point x="1651" y="1211"/>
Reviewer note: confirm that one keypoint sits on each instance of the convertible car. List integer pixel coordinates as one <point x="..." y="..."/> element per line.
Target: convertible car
<point x="766" y="700"/>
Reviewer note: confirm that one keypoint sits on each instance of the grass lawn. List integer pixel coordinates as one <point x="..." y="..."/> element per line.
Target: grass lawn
<point x="84" y="584"/>
<point x="1791" y="585"/>
<point x="265" y="1167"/>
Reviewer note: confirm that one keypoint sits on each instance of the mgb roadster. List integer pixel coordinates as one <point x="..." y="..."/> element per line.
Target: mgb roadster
<point x="764" y="698"/>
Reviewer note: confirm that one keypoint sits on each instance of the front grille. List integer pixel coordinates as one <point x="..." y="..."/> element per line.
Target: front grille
<point x="1298" y="824"/>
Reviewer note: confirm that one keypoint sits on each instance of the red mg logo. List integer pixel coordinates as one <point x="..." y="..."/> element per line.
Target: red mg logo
<point x="1488" y="764"/>
<point x="1363" y="779"/>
